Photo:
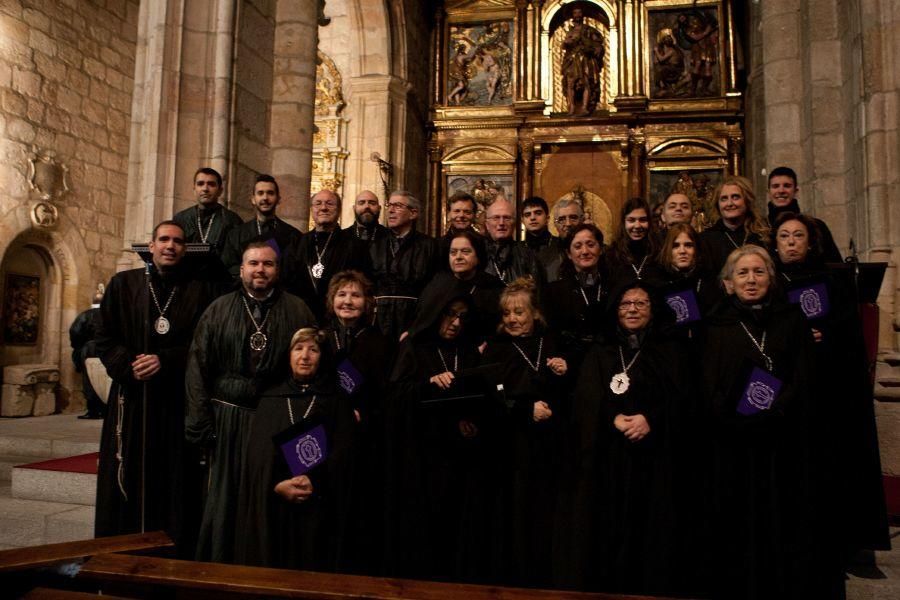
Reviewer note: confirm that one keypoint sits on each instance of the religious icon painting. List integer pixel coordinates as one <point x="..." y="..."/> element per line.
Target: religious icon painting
<point x="485" y="189"/>
<point x="21" y="309"/>
<point x="685" y="51"/>
<point x="697" y="184"/>
<point x="480" y="64"/>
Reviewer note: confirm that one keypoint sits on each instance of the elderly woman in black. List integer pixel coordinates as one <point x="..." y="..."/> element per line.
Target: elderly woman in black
<point x="438" y="490"/>
<point x="849" y="474"/>
<point x="632" y="254"/>
<point x="690" y="289"/>
<point x="296" y="467"/>
<point x="632" y="399"/>
<point x="527" y="437"/>
<point x="467" y="259"/>
<point x="361" y="355"/>
<point x="576" y="301"/>
<point x="758" y="374"/>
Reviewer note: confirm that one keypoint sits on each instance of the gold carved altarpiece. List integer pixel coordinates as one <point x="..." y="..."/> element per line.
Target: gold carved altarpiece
<point x="669" y="115"/>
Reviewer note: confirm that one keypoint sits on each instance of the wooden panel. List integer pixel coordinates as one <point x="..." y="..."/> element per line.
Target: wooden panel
<point x="20" y="559"/>
<point x="255" y="581"/>
<point x="51" y="594"/>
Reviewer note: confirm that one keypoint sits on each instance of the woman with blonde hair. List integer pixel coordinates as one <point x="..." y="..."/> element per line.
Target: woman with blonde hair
<point x="738" y="222"/>
<point x="527" y="437"/>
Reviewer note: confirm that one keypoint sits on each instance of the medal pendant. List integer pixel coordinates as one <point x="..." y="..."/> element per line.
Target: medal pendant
<point x="162" y="325"/>
<point x="258" y="341"/>
<point x="318" y="270"/>
<point x="619" y="383"/>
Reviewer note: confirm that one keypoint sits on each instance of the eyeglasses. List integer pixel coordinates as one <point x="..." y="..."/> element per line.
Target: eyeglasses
<point x="453" y="315"/>
<point x="638" y="304"/>
<point x="568" y="219"/>
<point x="498" y="218"/>
<point x="397" y="205"/>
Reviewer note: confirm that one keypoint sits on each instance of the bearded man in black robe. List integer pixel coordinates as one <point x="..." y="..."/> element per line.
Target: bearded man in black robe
<point x="403" y="262"/>
<point x="366" y="227"/>
<point x="240" y="348"/>
<point x="317" y="256"/>
<point x="265" y="225"/>
<point x="147" y="318"/>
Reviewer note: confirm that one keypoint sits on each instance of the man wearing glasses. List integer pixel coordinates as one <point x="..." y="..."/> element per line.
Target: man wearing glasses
<point x="567" y="215"/>
<point x="507" y="258"/>
<point x="313" y="260"/>
<point x="403" y="262"/>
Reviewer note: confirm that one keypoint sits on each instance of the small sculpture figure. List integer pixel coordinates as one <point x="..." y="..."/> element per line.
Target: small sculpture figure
<point x="700" y="34"/>
<point x="582" y="65"/>
<point x="459" y="75"/>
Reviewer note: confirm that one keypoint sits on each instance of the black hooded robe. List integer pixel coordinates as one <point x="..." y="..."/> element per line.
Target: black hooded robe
<point x="126" y="324"/>
<point x="275" y="532"/>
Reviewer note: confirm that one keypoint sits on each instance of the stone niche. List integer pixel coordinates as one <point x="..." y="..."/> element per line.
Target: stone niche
<point x="29" y="390"/>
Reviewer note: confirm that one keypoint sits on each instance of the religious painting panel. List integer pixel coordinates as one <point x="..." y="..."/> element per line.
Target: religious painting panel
<point x="21" y="309"/>
<point x="480" y="63"/>
<point x="485" y="188"/>
<point x="594" y="175"/>
<point x="698" y="184"/>
<point x="684" y="49"/>
<point x="581" y="60"/>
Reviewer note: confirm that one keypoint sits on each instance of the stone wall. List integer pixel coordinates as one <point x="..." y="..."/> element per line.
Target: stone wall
<point x="66" y="78"/>
<point x="66" y="83"/>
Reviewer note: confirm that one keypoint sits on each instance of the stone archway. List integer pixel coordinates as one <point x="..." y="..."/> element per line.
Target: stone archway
<point x="59" y="258"/>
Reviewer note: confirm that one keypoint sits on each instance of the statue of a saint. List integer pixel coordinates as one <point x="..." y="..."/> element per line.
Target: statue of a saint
<point x="582" y="65"/>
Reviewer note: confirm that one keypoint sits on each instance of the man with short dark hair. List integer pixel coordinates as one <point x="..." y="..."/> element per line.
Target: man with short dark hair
<point x="207" y="222"/>
<point x="265" y="225"/>
<point x="782" y="191"/>
<point x="367" y="210"/>
<point x="507" y="258"/>
<point x="240" y="348"/>
<point x="677" y="208"/>
<point x="318" y="255"/>
<point x="403" y="262"/>
<point x="147" y="319"/>
<point x="535" y="218"/>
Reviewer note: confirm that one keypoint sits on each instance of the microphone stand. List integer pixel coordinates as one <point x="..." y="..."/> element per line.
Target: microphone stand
<point x="144" y="393"/>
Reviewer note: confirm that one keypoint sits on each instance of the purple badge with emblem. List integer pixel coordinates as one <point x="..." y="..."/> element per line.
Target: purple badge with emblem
<point x="684" y="305"/>
<point x="760" y="393"/>
<point x="306" y="451"/>
<point x="348" y="376"/>
<point x="813" y="300"/>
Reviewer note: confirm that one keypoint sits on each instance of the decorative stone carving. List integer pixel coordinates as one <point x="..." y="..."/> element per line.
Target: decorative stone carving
<point x="47" y="177"/>
<point x="329" y="93"/>
<point x="29" y="389"/>
<point x="44" y="214"/>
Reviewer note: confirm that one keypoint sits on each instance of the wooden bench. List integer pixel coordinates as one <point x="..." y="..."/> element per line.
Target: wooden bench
<point x="21" y="559"/>
<point x="54" y="594"/>
<point x="185" y="579"/>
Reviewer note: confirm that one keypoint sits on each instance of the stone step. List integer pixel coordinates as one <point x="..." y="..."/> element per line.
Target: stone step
<point x="57" y="484"/>
<point x="32" y="522"/>
<point x="885" y="393"/>
<point x="48" y="437"/>
<point x="8" y="462"/>
<point x="890" y="381"/>
<point x="891" y="358"/>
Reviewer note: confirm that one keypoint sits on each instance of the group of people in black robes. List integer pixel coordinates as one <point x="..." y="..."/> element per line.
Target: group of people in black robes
<point x="664" y="415"/>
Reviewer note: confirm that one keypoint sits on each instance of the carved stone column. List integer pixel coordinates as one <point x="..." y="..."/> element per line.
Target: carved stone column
<point x="438" y="53"/>
<point x="522" y="49"/>
<point x="636" y="151"/>
<point x="735" y="153"/>
<point x="536" y="7"/>
<point x="435" y="201"/>
<point x="631" y="73"/>
<point x="526" y="162"/>
<point x="293" y="104"/>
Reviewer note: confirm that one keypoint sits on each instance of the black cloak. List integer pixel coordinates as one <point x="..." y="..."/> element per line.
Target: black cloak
<point x="124" y="330"/>
<point x="275" y="532"/>
<point x="438" y="487"/>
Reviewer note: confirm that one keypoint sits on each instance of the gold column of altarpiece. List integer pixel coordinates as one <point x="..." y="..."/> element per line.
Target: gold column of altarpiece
<point x="665" y="112"/>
